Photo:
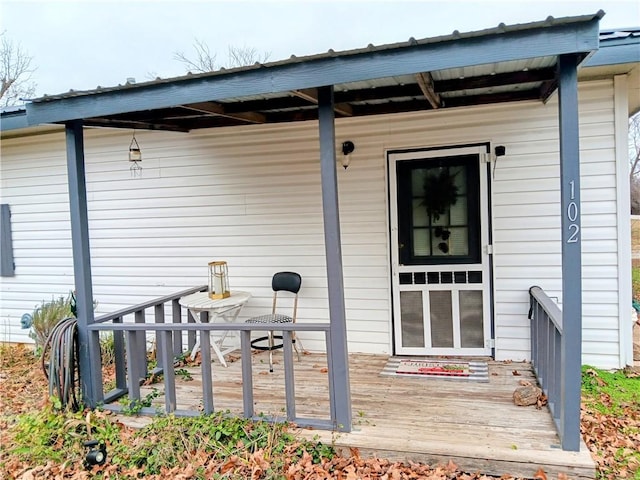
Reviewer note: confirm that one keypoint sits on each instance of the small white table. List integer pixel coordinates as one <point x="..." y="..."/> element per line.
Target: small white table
<point x="226" y="309"/>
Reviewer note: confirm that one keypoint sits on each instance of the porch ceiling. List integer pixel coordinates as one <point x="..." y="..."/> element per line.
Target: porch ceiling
<point x="503" y="64"/>
<point x="377" y="96"/>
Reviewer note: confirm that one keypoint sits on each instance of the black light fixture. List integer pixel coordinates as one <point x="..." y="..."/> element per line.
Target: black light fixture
<point x="347" y="149"/>
<point x="95" y="456"/>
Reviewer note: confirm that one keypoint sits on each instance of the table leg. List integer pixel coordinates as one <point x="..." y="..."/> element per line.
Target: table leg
<point x="214" y="344"/>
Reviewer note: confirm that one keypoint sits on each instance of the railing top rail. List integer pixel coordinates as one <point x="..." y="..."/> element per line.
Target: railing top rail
<point x="548" y="305"/>
<point x="221" y="326"/>
<point x="151" y="303"/>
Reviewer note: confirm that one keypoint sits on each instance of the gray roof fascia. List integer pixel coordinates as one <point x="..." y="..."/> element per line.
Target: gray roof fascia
<point x="616" y="51"/>
<point x="13" y="121"/>
<point x="578" y="37"/>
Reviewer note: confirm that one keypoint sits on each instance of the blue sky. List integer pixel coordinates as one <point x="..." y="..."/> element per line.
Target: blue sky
<point x="80" y="45"/>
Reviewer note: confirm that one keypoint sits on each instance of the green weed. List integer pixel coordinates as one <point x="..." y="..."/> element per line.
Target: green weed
<point x="610" y="392"/>
<point x="168" y="442"/>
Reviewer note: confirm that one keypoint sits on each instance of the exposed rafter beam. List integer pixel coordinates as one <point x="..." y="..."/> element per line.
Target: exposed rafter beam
<point x="547" y="89"/>
<point x="425" y="80"/>
<point x="124" y="123"/>
<point x="213" y="108"/>
<point x="497" y="80"/>
<point x="311" y="96"/>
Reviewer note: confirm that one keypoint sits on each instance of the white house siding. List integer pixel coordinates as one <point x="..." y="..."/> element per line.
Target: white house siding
<point x="251" y="196"/>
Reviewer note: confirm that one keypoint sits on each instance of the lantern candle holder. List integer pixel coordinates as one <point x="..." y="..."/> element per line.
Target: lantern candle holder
<point x="218" y="280"/>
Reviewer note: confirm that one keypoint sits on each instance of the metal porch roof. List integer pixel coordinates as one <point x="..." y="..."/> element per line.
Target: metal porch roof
<point x="501" y="64"/>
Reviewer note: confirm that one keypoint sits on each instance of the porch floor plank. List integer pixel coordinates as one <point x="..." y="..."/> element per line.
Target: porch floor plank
<point x="476" y="425"/>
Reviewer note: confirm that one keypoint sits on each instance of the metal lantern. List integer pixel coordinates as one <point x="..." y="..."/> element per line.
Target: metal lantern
<point x="135" y="157"/>
<point x="218" y="280"/>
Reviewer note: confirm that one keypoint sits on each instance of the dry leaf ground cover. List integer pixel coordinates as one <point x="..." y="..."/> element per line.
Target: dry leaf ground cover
<point x="36" y="442"/>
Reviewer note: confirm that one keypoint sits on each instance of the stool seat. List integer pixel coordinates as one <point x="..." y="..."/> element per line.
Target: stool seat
<point x="271" y="318"/>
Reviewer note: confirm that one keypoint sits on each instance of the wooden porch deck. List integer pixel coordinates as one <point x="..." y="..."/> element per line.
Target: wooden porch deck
<point x="476" y="425"/>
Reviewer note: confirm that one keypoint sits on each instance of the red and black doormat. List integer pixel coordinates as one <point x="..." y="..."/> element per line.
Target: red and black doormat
<point x="453" y="369"/>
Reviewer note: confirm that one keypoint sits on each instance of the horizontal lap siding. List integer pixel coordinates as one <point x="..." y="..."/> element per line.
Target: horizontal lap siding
<point x="526" y="195"/>
<point x="252" y="197"/>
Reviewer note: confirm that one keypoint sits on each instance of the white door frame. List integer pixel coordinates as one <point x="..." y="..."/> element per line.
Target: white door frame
<point x="394" y="156"/>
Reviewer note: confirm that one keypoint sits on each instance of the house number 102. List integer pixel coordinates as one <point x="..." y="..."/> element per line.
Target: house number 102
<point x="572" y="215"/>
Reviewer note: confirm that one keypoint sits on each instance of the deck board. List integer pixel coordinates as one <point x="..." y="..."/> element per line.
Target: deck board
<point x="422" y="419"/>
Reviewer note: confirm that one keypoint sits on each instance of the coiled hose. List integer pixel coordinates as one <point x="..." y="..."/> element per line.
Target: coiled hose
<point x="63" y="371"/>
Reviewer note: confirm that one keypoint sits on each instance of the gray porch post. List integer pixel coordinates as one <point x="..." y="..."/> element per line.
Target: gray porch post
<point x="338" y="354"/>
<point x="571" y="252"/>
<point x="89" y="344"/>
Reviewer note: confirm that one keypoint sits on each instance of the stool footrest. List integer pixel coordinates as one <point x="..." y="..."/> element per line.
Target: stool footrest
<point x="276" y="346"/>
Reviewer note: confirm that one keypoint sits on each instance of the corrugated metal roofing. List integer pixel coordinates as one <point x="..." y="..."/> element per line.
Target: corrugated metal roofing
<point x="455" y="35"/>
<point x="514" y="79"/>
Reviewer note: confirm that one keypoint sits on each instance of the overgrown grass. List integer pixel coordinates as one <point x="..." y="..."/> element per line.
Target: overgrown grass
<point x="610" y="392"/>
<point x="611" y="421"/>
<point x="635" y="282"/>
<point x="212" y="445"/>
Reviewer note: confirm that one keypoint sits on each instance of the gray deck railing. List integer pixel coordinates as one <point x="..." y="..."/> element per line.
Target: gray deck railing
<point x="130" y="339"/>
<point x="547" y="360"/>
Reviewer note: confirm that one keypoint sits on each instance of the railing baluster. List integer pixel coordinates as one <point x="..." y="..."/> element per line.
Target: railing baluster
<point x="141" y="347"/>
<point x="118" y="352"/>
<point x="557" y="378"/>
<point x="133" y="379"/>
<point x="289" y="381"/>
<point x="158" y="313"/>
<point x="247" y="374"/>
<point x="168" y="373"/>
<point x="191" y="335"/>
<point x="205" y="366"/>
<point x="332" y="388"/>
<point x="176" y="317"/>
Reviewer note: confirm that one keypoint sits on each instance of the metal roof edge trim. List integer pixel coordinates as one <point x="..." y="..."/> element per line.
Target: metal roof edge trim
<point x="13" y="121"/>
<point x="615" y="53"/>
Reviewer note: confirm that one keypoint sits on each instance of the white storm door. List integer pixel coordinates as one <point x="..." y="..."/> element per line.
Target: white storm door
<point x="440" y="262"/>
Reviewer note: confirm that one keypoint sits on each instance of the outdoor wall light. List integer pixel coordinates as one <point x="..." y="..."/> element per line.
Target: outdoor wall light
<point x="347" y="149"/>
<point x="218" y="280"/>
<point x="135" y="157"/>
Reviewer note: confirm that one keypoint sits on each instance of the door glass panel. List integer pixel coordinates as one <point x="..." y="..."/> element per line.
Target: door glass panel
<point x="438" y="210"/>
<point x="412" y="319"/>
<point x="421" y="242"/>
<point x="471" y="331"/>
<point x="441" y="319"/>
<point x="458" y="241"/>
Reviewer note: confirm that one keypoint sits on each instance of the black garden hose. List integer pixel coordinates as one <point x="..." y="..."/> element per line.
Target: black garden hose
<point x="63" y="370"/>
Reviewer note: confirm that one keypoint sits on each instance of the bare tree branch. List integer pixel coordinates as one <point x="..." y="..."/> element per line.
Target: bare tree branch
<point x="634" y="145"/>
<point x="205" y="61"/>
<point x="634" y="163"/>
<point x="15" y="73"/>
<point x="241" y="56"/>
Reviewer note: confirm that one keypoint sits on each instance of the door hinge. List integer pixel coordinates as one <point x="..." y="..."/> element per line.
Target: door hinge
<point x="487" y="157"/>
<point x="489" y="249"/>
<point x="490" y="343"/>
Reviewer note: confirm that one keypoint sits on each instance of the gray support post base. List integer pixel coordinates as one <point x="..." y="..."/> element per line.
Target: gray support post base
<point x="571" y="251"/>
<point x="338" y="353"/>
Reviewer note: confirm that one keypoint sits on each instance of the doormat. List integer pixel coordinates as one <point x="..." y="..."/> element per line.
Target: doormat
<point x="444" y="369"/>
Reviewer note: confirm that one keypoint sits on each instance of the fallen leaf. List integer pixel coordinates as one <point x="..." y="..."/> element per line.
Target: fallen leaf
<point x="540" y="475"/>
